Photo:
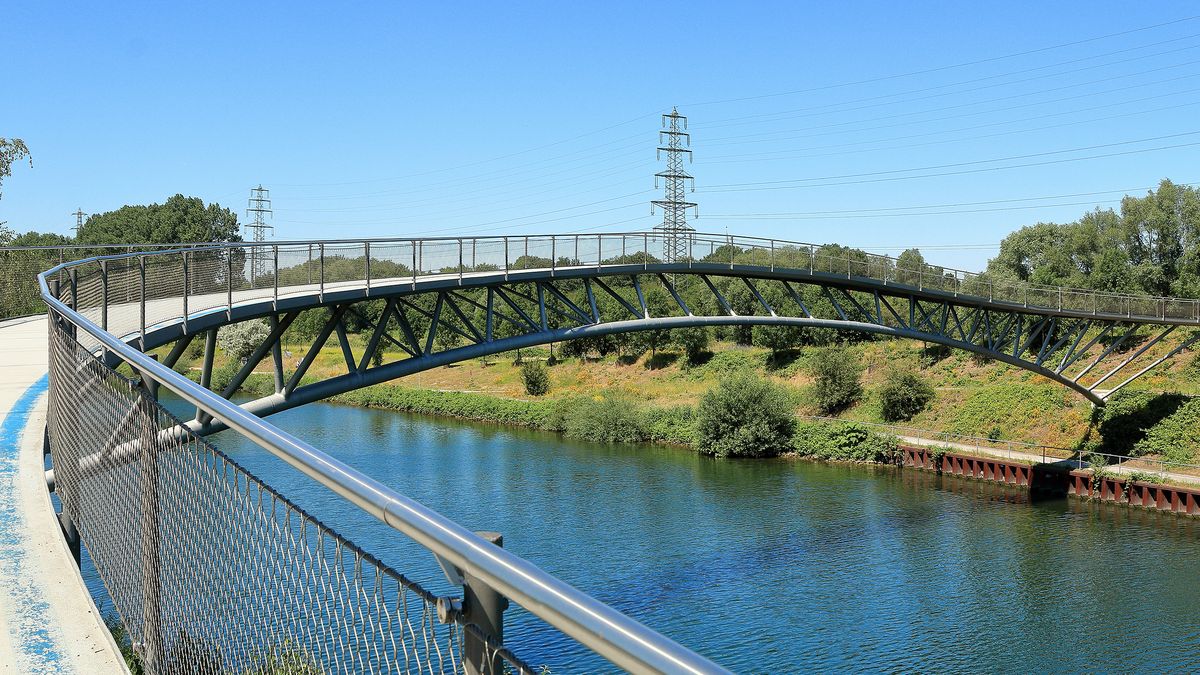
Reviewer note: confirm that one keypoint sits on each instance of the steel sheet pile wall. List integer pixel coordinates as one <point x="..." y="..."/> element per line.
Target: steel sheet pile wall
<point x="209" y="568"/>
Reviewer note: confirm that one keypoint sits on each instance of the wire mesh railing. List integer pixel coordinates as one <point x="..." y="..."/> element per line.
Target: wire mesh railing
<point x="210" y="569"/>
<point x="213" y="571"/>
<point x="183" y="281"/>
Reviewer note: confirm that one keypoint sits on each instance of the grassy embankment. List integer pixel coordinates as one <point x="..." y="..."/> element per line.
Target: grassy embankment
<point x="655" y="397"/>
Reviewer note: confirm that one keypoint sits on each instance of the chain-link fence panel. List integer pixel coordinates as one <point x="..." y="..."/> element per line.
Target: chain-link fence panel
<point x="211" y="570"/>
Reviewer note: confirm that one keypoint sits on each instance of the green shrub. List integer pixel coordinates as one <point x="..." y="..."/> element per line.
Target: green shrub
<point x="535" y="378"/>
<point x="606" y="419"/>
<point x="844" y="441"/>
<point x="903" y="395"/>
<point x="676" y="424"/>
<point x="239" y="340"/>
<point x="838" y="382"/>
<point x="478" y="407"/>
<point x="745" y="416"/>
<point x="1127" y="416"/>
<point x="730" y="362"/>
<point x="1176" y="438"/>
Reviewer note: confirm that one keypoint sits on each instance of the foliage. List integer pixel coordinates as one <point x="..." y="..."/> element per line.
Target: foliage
<point x="675" y="424"/>
<point x="284" y="660"/>
<point x="535" y="378"/>
<point x="1148" y="247"/>
<point x="179" y="219"/>
<point x="478" y="407"/>
<point x="1144" y="477"/>
<point x="844" y="441"/>
<point x="604" y="419"/>
<point x="838" y="384"/>
<point x="996" y="407"/>
<point x="12" y="150"/>
<point x="1127" y="416"/>
<point x="745" y="416"/>
<point x="120" y="635"/>
<point x="903" y="395"/>
<point x="1176" y="438"/>
<point x="730" y="362"/>
<point x="239" y="340"/>
<point x="693" y="341"/>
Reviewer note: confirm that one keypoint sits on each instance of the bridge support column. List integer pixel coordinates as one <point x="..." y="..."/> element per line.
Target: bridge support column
<point x="483" y="607"/>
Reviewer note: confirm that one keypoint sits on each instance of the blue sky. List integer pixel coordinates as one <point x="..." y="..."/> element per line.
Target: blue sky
<point x="810" y="121"/>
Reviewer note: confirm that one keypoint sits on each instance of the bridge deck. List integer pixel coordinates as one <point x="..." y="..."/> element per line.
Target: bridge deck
<point x="48" y="622"/>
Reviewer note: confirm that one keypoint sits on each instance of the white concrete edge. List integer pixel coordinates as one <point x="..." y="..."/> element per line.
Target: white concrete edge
<point x="96" y="650"/>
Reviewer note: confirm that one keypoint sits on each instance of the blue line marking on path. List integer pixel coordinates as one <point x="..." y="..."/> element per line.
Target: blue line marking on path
<point x="32" y="637"/>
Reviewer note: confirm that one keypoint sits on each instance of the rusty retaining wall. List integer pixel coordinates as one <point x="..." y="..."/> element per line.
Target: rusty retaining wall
<point x="1059" y="480"/>
<point x="1136" y="493"/>
<point x="1034" y="477"/>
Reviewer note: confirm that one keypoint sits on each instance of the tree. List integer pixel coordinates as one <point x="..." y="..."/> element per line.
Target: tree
<point x="837" y="382"/>
<point x="12" y="151"/>
<point x="693" y="341"/>
<point x="903" y="395"/>
<point x="745" y="416"/>
<point x="239" y="340"/>
<point x="179" y="219"/>
<point x="535" y="378"/>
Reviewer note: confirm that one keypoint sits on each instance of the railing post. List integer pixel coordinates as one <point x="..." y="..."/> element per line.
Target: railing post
<point x="152" y="647"/>
<point x="599" y="251"/>
<point x="460" y="261"/>
<point x="186" y="291"/>
<point x="321" y="264"/>
<point x="553" y="255"/>
<point x="229" y="283"/>
<point x="772" y="255"/>
<point x="646" y="251"/>
<point x="275" y="277"/>
<point x="1060" y="299"/>
<point x="474" y="246"/>
<point x="414" y="262"/>
<point x="142" y="293"/>
<point x="367" y="255"/>
<point x="484" y="608"/>
<point x="104" y="294"/>
<point x="73" y="277"/>
<point x="505" y="255"/>
<point x="308" y="267"/>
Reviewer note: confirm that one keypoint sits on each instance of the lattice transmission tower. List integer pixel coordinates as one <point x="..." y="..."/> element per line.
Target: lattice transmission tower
<point x="258" y="208"/>
<point x="79" y="216"/>
<point x="676" y="233"/>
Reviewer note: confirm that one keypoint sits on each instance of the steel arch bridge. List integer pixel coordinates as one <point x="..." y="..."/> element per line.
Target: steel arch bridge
<point x="433" y="302"/>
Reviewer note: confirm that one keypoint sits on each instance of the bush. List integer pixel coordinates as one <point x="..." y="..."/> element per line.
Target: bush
<point x="604" y="419"/>
<point x="844" y="441"/>
<point x="745" y="416"/>
<point x="1176" y="437"/>
<point x="903" y="395"/>
<point x="676" y="424"/>
<point x="239" y="340"/>
<point x="535" y="378"/>
<point x="1128" y="415"/>
<point x="837" y="373"/>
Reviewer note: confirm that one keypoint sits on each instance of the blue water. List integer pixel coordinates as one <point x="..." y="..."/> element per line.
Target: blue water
<point x="779" y="566"/>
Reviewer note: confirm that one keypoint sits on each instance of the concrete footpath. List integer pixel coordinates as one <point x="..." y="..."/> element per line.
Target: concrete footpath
<point x="48" y="622"/>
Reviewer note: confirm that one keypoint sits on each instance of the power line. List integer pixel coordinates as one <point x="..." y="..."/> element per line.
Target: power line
<point x="762" y="118"/>
<point x="970" y="163"/>
<point x="957" y="173"/>
<point x="949" y="67"/>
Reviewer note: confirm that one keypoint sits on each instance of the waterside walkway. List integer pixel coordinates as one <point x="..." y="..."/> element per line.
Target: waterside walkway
<point x="48" y="622"/>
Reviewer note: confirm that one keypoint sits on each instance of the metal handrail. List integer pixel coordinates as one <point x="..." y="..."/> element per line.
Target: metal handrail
<point x="933" y="273"/>
<point x="609" y="633"/>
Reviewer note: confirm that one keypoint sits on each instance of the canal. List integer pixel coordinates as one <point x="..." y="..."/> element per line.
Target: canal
<point x="778" y="565"/>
